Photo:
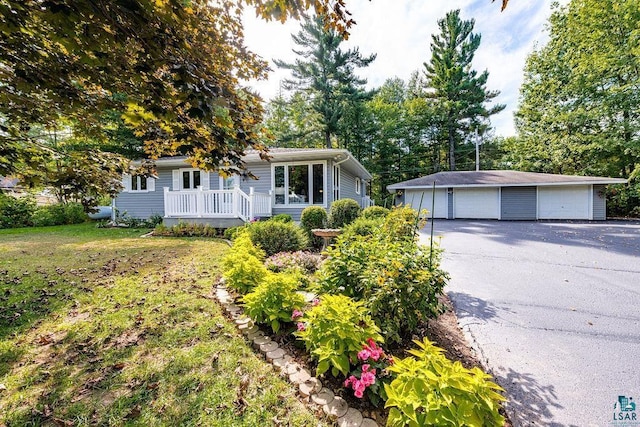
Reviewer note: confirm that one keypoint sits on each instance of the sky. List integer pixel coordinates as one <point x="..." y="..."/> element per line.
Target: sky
<point x="399" y="32"/>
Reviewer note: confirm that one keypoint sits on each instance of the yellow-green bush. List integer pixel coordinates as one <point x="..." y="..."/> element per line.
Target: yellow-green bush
<point x="242" y="266"/>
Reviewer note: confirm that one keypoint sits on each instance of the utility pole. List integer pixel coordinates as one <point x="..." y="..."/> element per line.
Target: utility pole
<point x="478" y="142"/>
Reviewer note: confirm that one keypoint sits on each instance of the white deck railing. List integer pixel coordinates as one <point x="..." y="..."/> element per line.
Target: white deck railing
<point x="367" y="202"/>
<point x="216" y="204"/>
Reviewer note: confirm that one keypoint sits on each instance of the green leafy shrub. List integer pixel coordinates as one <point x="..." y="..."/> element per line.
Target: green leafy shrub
<point x="430" y="390"/>
<point x="371" y="373"/>
<point x="230" y="233"/>
<point x="242" y="266"/>
<point x="396" y="279"/>
<point x="313" y="217"/>
<point x="623" y="200"/>
<point x="274" y="236"/>
<point x="363" y="227"/>
<point x="183" y="229"/>
<point x="59" y="214"/>
<point x="403" y="223"/>
<point x="306" y="262"/>
<point x="333" y="332"/>
<point x="373" y="212"/>
<point x="282" y="218"/>
<point x="343" y="212"/>
<point x="16" y="211"/>
<point x="274" y="299"/>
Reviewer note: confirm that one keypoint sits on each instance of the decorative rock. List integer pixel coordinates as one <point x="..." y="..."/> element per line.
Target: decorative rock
<point x="310" y="386"/>
<point x="282" y="362"/>
<point x="323" y="397"/>
<point x="258" y="341"/>
<point x="292" y="368"/>
<point x="368" y="422"/>
<point x="251" y="330"/>
<point x="278" y="353"/>
<point x="232" y="308"/>
<point x="299" y="377"/>
<point x="353" y="418"/>
<point x="337" y="408"/>
<point x="268" y="346"/>
<point x="253" y="335"/>
<point x="244" y="321"/>
<point x="244" y="326"/>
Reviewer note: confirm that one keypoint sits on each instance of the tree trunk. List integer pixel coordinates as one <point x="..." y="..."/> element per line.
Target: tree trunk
<point x="452" y="149"/>
<point x="327" y="138"/>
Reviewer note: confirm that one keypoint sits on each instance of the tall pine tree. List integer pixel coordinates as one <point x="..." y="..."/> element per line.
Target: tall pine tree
<point x="459" y="93"/>
<point x="326" y="73"/>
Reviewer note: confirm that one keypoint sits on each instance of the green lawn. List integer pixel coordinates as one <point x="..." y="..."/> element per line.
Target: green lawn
<point x="103" y="327"/>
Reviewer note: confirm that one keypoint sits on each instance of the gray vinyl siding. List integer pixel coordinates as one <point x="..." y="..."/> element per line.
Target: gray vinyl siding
<point x="518" y="203"/>
<point x="599" y="203"/>
<point x="348" y="186"/>
<point x="143" y="205"/>
<point x="449" y="203"/>
<point x="260" y="185"/>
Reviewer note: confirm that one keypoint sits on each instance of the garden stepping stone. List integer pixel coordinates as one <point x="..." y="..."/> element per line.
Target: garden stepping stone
<point x="268" y="346"/>
<point x="368" y="422"/>
<point x="292" y="368"/>
<point x="353" y="418"/>
<point x="253" y="335"/>
<point x="299" y="377"/>
<point x="278" y="353"/>
<point x="337" y="408"/>
<point x="251" y="330"/>
<point x="323" y="397"/>
<point x="243" y="321"/>
<point x="282" y="362"/>
<point x="258" y="341"/>
<point x="310" y="386"/>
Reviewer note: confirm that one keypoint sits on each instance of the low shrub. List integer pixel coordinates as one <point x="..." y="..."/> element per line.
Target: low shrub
<point x="182" y="229"/>
<point x="333" y="332"/>
<point x="231" y="232"/>
<point x="59" y="214"/>
<point x="363" y="227"/>
<point x="373" y="212"/>
<point x="274" y="300"/>
<point x="242" y="265"/>
<point x="343" y="212"/>
<point x="306" y="262"/>
<point x="275" y="236"/>
<point x="398" y="279"/>
<point x="313" y="217"/>
<point x="403" y="223"/>
<point x="431" y="390"/>
<point x="282" y="218"/>
<point x="16" y="211"/>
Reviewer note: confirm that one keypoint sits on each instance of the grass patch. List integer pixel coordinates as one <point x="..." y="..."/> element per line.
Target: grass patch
<point x="103" y="327"/>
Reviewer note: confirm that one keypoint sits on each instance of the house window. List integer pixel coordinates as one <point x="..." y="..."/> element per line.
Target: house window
<point x="228" y="183"/>
<point x="190" y="179"/>
<point x="299" y="184"/>
<point x="358" y="185"/>
<point x="138" y="183"/>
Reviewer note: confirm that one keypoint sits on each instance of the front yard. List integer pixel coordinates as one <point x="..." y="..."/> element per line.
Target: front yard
<point x="103" y="327"/>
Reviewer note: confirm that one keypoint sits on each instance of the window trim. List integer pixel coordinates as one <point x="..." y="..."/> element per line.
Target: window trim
<point x="309" y="164"/>
<point x="236" y="181"/>
<point x="128" y="183"/>
<point x="358" y="186"/>
<point x="204" y="179"/>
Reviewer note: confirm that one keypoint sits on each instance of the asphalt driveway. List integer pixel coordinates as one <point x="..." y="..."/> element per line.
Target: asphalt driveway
<point x="553" y="309"/>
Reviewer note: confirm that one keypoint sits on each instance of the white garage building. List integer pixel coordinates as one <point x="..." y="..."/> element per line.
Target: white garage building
<point x="507" y="195"/>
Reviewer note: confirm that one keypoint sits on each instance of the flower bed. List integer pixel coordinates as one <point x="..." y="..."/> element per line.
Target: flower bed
<point x="372" y="289"/>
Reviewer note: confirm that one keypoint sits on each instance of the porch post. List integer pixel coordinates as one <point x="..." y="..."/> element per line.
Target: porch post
<point x="167" y="210"/>
<point x="271" y="202"/>
<point x="251" y="203"/>
<point x="199" y="201"/>
<point x="236" y="200"/>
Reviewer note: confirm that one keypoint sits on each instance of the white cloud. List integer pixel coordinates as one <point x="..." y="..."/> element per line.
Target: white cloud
<point x="399" y="32"/>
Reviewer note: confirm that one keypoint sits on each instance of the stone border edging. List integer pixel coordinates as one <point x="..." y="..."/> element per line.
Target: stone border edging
<point x="309" y="387"/>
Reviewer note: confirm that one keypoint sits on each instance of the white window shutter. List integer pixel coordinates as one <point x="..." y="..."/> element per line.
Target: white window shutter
<point x="151" y="184"/>
<point x="176" y="179"/>
<point x="204" y="180"/>
<point x="126" y="182"/>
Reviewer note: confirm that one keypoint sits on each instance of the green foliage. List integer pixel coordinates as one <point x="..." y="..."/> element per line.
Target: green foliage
<point x="343" y="212"/>
<point x="59" y="214"/>
<point x="231" y="232"/>
<point x="181" y="229"/>
<point x="307" y="262"/>
<point x="403" y="223"/>
<point x="273" y="300"/>
<point x="459" y="93"/>
<point x="16" y="211"/>
<point x="373" y="212"/>
<point x="313" y="217"/>
<point x="363" y="227"/>
<point x="282" y="218"/>
<point x="431" y="390"/>
<point x="396" y="278"/>
<point x="242" y="266"/>
<point x="624" y="199"/>
<point x="275" y="236"/>
<point x="334" y="331"/>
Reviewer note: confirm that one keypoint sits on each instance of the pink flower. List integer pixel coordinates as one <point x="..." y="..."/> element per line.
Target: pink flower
<point x="315" y="301"/>
<point x="296" y="314"/>
<point x="368" y="378"/>
<point x="365" y="367"/>
<point x="358" y="394"/>
<point x="349" y="381"/>
<point x="301" y="326"/>
<point x="364" y="355"/>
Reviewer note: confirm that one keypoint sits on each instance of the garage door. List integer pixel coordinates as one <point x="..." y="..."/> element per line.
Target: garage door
<point x="563" y="202"/>
<point x="415" y="198"/>
<point x="477" y="203"/>
<point x="518" y="203"/>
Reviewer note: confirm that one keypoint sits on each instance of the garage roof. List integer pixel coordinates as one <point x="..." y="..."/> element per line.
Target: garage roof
<point x="499" y="178"/>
